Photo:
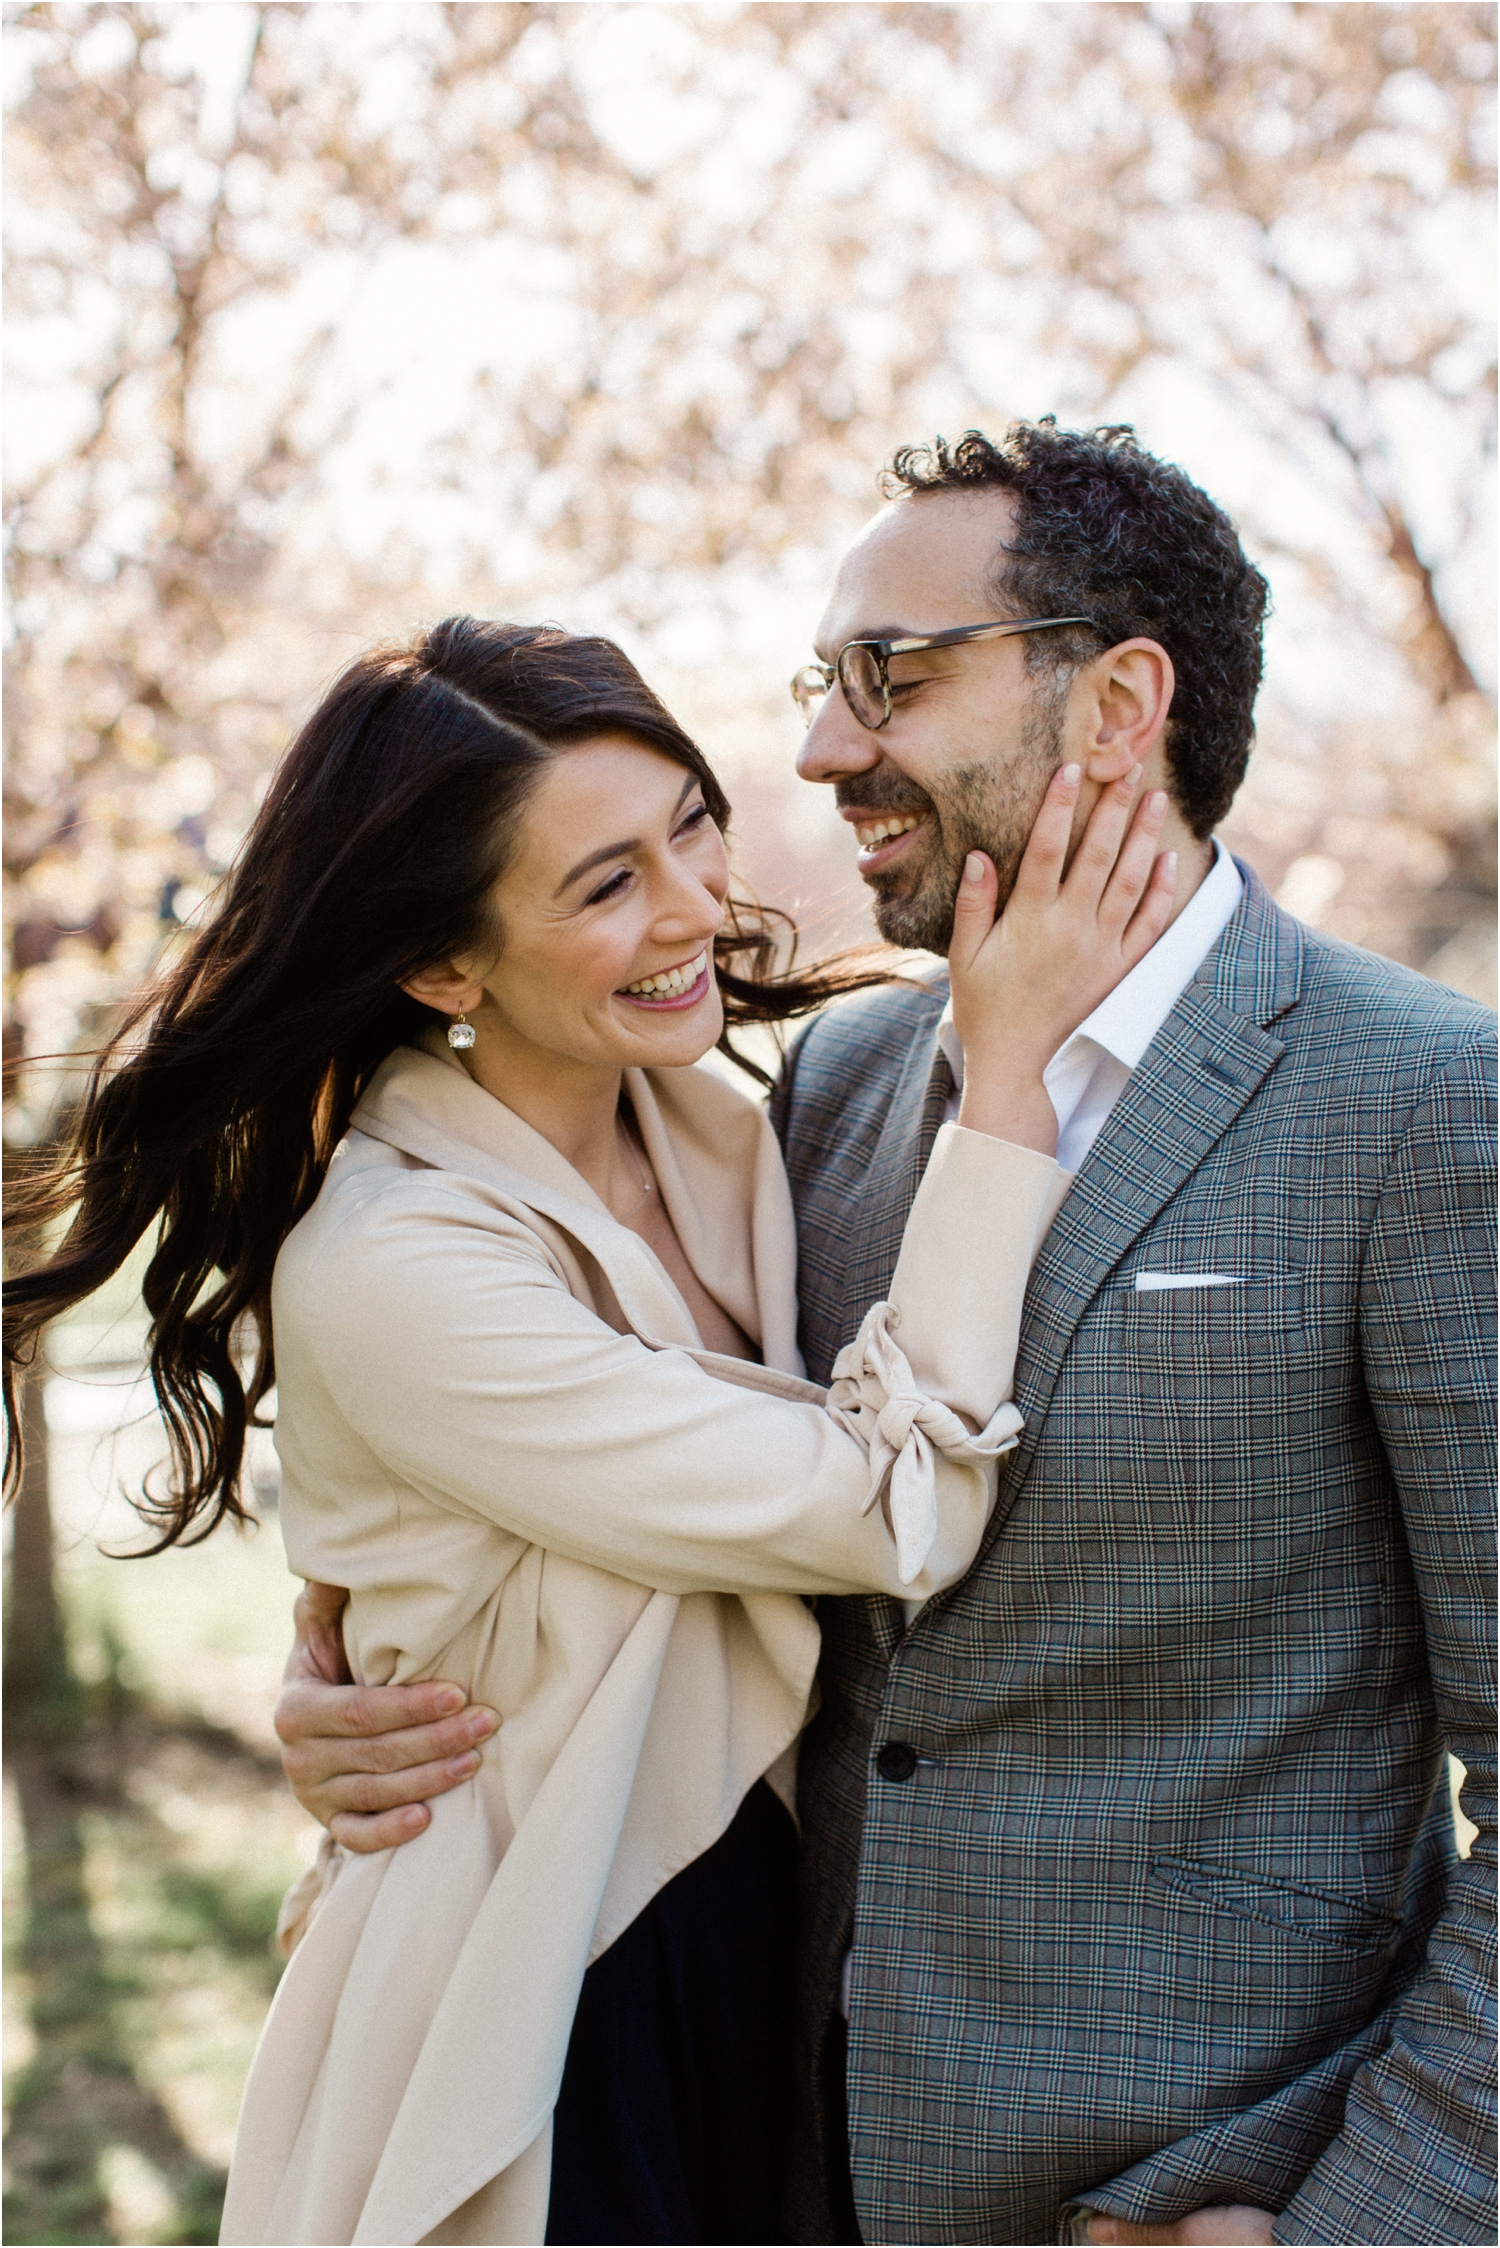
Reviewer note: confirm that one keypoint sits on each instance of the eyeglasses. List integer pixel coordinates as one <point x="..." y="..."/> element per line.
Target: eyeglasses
<point x="861" y="667"/>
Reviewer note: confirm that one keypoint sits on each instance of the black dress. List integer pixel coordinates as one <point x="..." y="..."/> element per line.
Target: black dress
<point x="675" y="2107"/>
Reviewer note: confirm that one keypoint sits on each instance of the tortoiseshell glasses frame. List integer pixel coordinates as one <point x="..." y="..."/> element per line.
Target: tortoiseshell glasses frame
<point x="861" y="667"/>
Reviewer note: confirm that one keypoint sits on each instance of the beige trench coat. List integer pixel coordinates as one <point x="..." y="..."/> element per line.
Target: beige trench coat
<point x="499" y="1428"/>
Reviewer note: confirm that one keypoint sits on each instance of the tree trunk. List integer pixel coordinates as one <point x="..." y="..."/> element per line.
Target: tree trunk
<point x="38" y="1682"/>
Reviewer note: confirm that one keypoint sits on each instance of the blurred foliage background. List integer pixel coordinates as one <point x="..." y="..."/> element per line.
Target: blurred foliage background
<point x="329" y="318"/>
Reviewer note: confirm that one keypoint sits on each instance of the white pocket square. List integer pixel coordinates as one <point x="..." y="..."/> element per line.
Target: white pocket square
<point x="1146" y="1281"/>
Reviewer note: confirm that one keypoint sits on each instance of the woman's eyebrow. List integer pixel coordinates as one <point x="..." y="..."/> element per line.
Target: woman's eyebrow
<point x="619" y="850"/>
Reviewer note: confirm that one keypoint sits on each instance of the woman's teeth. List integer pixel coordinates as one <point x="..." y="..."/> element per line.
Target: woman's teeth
<point x="883" y="830"/>
<point x="673" y="983"/>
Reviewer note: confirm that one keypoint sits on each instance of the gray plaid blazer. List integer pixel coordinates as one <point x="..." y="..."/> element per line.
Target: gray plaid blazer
<point x="1165" y="1911"/>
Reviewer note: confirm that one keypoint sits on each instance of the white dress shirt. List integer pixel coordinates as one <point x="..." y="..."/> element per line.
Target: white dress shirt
<point x="1090" y="1070"/>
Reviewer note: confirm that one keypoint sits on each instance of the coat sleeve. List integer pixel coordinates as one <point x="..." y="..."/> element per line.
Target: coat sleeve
<point x="448" y="1341"/>
<point x="1413" y="2160"/>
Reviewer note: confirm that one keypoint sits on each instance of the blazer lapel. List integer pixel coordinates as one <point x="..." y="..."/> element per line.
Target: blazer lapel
<point x="1204" y="1065"/>
<point x="901" y="1152"/>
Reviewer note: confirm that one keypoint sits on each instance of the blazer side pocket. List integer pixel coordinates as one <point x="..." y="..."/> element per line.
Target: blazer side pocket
<point x="1318" y="1916"/>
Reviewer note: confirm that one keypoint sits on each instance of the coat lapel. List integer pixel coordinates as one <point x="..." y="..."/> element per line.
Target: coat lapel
<point x="424" y="1102"/>
<point x="1204" y="1065"/>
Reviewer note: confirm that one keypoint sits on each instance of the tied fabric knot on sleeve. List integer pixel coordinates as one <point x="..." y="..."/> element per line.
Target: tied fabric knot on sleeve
<point x="873" y="1383"/>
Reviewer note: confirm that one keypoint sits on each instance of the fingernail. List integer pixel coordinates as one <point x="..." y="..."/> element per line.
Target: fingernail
<point x="449" y="1699"/>
<point x="1169" y="860"/>
<point x="1072" y="775"/>
<point x="414" y="1819"/>
<point x="1133" y="776"/>
<point x="1157" y="802"/>
<point x="973" y="868"/>
<point x="482" y="1722"/>
<point x="463" y="1765"/>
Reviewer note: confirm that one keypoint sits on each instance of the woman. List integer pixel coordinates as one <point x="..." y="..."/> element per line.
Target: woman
<point x="540" y="1406"/>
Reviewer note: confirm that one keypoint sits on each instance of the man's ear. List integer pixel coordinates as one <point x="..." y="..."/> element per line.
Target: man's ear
<point x="447" y="988"/>
<point x="1131" y="691"/>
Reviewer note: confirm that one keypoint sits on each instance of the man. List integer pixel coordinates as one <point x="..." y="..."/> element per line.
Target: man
<point x="1132" y="1907"/>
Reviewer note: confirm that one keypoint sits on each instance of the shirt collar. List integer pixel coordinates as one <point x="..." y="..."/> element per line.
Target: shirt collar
<point x="1125" y="1023"/>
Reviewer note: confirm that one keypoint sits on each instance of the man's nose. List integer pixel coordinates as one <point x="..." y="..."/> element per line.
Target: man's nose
<point x="835" y="743"/>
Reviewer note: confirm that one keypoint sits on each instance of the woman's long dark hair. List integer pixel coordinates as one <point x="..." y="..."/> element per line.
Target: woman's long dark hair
<point x="213" y="1110"/>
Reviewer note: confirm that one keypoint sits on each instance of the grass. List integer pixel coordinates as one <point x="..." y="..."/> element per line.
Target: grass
<point x="149" y="1839"/>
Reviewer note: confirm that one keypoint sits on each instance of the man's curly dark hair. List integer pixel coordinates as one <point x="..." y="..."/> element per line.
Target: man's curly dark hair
<point x="1107" y="531"/>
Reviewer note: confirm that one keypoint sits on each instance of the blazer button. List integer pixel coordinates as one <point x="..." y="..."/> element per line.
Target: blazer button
<point x="897" y="1760"/>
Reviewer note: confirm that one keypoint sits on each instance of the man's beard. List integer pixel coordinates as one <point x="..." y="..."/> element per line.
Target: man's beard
<point x="979" y="807"/>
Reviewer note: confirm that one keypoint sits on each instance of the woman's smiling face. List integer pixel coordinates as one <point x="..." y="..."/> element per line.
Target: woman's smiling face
<point x="608" y="910"/>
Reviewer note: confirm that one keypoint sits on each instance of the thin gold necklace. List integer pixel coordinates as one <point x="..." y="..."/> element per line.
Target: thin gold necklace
<point x="644" y="1174"/>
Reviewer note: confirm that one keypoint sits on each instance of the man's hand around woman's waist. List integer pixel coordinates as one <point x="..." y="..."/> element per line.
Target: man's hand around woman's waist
<point x="366" y="1760"/>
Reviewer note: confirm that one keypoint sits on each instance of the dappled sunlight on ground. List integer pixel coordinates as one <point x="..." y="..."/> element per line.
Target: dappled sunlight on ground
<point x="149" y="1839"/>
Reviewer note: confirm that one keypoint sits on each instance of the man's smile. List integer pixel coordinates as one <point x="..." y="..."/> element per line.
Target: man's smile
<point x="882" y="837"/>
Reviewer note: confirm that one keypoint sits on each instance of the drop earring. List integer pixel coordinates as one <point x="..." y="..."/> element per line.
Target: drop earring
<point x="460" y="1034"/>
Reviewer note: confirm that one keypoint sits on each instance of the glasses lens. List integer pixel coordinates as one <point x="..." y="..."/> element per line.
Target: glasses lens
<point x="808" y="690"/>
<point x="864" y="688"/>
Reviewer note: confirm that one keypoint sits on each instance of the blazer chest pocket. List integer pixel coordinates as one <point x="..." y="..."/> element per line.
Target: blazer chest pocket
<point x="1250" y="1312"/>
<point x="1316" y="1916"/>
